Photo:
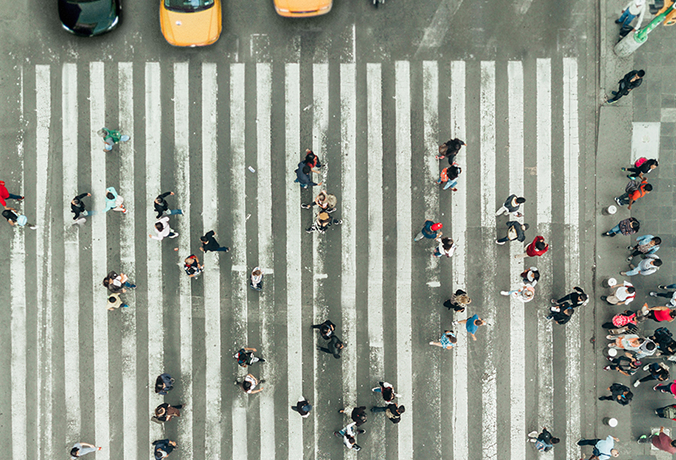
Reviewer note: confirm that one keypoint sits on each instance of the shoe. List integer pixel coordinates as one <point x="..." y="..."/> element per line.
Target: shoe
<point x="646" y="367"/>
<point x="606" y="368"/>
<point x="305" y="206"/>
<point x="227" y="249"/>
<point x="655" y="387"/>
<point x="662" y="286"/>
<point x="617" y="200"/>
<point x="611" y="102"/>
<point x="236" y="383"/>
<point x="261" y="381"/>
<point x="653" y="294"/>
<point x="454" y="323"/>
<point x="373" y="408"/>
<point x="337" y="221"/>
<point x="174" y="235"/>
<point x="504" y="292"/>
<point x="33" y="227"/>
<point x="431" y="343"/>
<point x="637" y="383"/>
<point x="361" y="431"/>
<point x="80" y="221"/>
<point x="603" y="297"/>
<point x="499" y="242"/>
<point x="553" y="301"/>
<point x="309" y="230"/>
<point x="261" y="360"/>
<point x="623" y="273"/>
<point x="642" y="439"/>
<point x="617" y="21"/>
<point x="341" y="411"/>
<point x="19" y="199"/>
<point x="632" y="266"/>
<point x="532" y="434"/>
<point x="623" y="169"/>
<point x="610" y="337"/>
<point x="629" y="176"/>
<point x="629" y="259"/>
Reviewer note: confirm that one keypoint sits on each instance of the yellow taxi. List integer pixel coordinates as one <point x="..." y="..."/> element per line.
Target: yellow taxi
<point x="302" y="8"/>
<point x="190" y="22"/>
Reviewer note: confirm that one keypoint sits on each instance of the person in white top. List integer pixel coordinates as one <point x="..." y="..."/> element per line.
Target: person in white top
<point x="621" y="294"/>
<point x="631" y="11"/>
<point x="349" y="436"/>
<point x="525" y="293"/>
<point x="446" y="247"/>
<point x="163" y="230"/>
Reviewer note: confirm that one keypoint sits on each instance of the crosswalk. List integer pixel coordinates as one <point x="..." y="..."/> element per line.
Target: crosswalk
<point x="79" y="372"/>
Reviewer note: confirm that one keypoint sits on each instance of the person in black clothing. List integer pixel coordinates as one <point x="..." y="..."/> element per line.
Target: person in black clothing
<point x="357" y="414"/>
<point x="515" y="231"/>
<point x="163" y="448"/>
<point x="77" y="207"/>
<point x="209" y="243"/>
<point x="545" y="438"/>
<point x="561" y="317"/>
<point x="161" y="206"/>
<point x="619" y="393"/>
<point x="335" y="347"/>
<point x="575" y="299"/>
<point x="531" y="276"/>
<point x="664" y="340"/>
<point x="637" y="172"/>
<point x="630" y="81"/>
<point x="245" y="357"/>
<point x="392" y="411"/>
<point x="625" y="365"/>
<point x="386" y="389"/>
<point x="303" y="407"/>
<point x="311" y="159"/>
<point x="450" y="149"/>
<point x="326" y="329"/>
<point x="164" y="384"/>
<point x="658" y="371"/>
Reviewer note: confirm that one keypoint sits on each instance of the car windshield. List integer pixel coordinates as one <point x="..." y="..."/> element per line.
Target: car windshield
<point x="188" y="5"/>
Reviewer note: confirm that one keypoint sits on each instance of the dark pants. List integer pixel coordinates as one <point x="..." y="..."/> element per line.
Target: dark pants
<point x="587" y="442"/>
<point x="378" y="409"/>
<point x="14" y="197"/>
<point x="666" y="388"/>
<point x="667" y="295"/>
<point x="621" y="91"/>
<point x="648" y="378"/>
<point x="623" y="199"/>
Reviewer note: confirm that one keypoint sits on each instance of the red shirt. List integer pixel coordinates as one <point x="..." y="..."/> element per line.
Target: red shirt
<point x="4" y="193"/>
<point x="662" y="315"/>
<point x="532" y="251"/>
<point x="663" y="442"/>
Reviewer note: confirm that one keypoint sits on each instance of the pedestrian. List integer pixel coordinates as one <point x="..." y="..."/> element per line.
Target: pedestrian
<point x="625" y="365"/>
<point x="633" y="191"/>
<point x="163" y="448"/>
<point x="633" y="9"/>
<point x="386" y="390"/>
<point x="303" y="407"/>
<point x="628" y="226"/>
<point x="447" y="340"/>
<point x="245" y="357"/>
<point x="641" y="166"/>
<point x="256" y="282"/>
<point x="192" y="267"/>
<point x="649" y="265"/>
<point x="525" y="293"/>
<point x="324" y="201"/>
<point x="311" y="159"/>
<point x="671" y="295"/>
<point x="622" y="320"/>
<point x="164" y="383"/>
<point x="303" y="175"/>
<point x="511" y="206"/>
<point x="114" y="201"/>
<point x="357" y="414"/>
<point x="165" y="412"/>
<point x="544" y="442"/>
<point x="560" y="316"/>
<point x="4" y="195"/>
<point x="577" y="298"/>
<point x="458" y="301"/>
<point x="114" y="302"/>
<point x="249" y="384"/>
<point x="660" y="440"/>
<point x="77" y="207"/>
<point x="209" y="243"/>
<point x="163" y="230"/>
<point x="392" y="411"/>
<point x="326" y="329"/>
<point x="471" y="324"/>
<point x="449" y="177"/>
<point x="334" y="347"/>
<point x="667" y="412"/>
<point x="629" y="342"/>
<point x="450" y="149"/>
<point x="603" y="448"/>
<point x="515" y="231"/>
<point x="430" y="230"/>
<point x="620" y="294"/>
<point x="322" y="223"/>
<point x="535" y="249"/>
<point x="348" y="434"/>
<point x="619" y="393"/>
<point x="117" y="283"/>
<point x="81" y="449"/>
<point x="646" y="244"/>
<point x="162" y="207"/>
<point x="658" y="371"/>
<point x="660" y="314"/>
<point x="666" y="388"/>
<point x="664" y="340"/>
<point x="14" y="218"/>
<point x="530" y="276"/>
<point x="111" y="137"/>
<point x="446" y="247"/>
<point x="630" y="81"/>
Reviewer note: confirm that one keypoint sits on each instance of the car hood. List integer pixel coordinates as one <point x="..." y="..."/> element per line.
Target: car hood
<point x="193" y="28"/>
<point x="88" y="18"/>
<point x="302" y="5"/>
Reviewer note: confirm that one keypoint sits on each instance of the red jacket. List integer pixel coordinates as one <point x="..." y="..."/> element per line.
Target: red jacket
<point x="4" y="193"/>
<point x="532" y="251"/>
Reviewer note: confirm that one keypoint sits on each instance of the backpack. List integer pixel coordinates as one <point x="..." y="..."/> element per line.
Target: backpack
<point x="640" y="161"/>
<point x="632" y="186"/>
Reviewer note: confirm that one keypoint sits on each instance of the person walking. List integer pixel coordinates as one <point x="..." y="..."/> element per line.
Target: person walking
<point x="641" y="167"/>
<point x="162" y="207"/>
<point x="446" y="247"/>
<point x="256" y="282"/>
<point x="669" y="388"/>
<point x="646" y="244"/>
<point x="303" y="175"/>
<point x="622" y="323"/>
<point x="357" y="414"/>
<point x="671" y="295"/>
<point x="311" y="159"/>
<point x="458" y="301"/>
<point x="114" y="202"/>
<point x="392" y="411"/>
<point x="471" y="324"/>
<point x="245" y="357"/>
<point x="165" y="412"/>
<point x="303" y="407"/>
<point x="326" y="329"/>
<point x="544" y="442"/>
<point x="320" y="200"/>
<point x="664" y="340"/>
<point x="560" y="316"/>
<point x="604" y="449"/>
<point x="209" y="243"/>
<point x="535" y="249"/>
<point x="5" y="195"/>
<point x="81" y="449"/>
<point x="115" y="302"/>
<point x="334" y="347"/>
<point x="447" y="340"/>
<point x="430" y="230"/>
<point x="348" y="434"/>
<point x="577" y="298"/>
<point x="515" y="231"/>
<point x="630" y="81"/>
<point x="322" y="223"/>
<point x="164" y="383"/>
<point x="635" y="8"/>
<point x="618" y="393"/>
<point x="628" y="226"/>
<point x="163" y="230"/>
<point x="192" y="266"/>
<point x="249" y="384"/>
<point x="450" y="149"/>
<point x="111" y="137"/>
<point x="386" y="390"/>
<point x="660" y="440"/>
<point x="525" y="293"/>
<point x="449" y="177"/>
<point x="530" y="276"/>
<point x="633" y="192"/>
<point x="649" y="265"/>
<point x="625" y="365"/>
<point x="658" y="371"/>
<point x="14" y="218"/>
<point x="511" y="206"/>
<point x="77" y="207"/>
<point x="629" y="342"/>
<point x="163" y="448"/>
<point x="620" y="294"/>
<point x="117" y="283"/>
<point x="660" y="314"/>
<point x="668" y="412"/>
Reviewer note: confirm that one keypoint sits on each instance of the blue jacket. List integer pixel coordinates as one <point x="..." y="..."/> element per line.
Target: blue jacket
<point x="301" y="177"/>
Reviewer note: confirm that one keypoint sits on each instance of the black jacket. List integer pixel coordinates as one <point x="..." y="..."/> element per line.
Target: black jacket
<point x="162" y="205"/>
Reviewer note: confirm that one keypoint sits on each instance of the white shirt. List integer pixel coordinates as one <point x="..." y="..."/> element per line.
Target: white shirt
<point x="623" y="295"/>
<point x="637" y="8"/>
<point x="166" y="229"/>
<point x="448" y="253"/>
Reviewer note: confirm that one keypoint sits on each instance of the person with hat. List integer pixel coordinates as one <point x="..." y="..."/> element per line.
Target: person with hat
<point x="114" y="301"/>
<point x="303" y="407"/>
<point x="515" y="231"/>
<point x="430" y="230"/>
<point x="620" y="294"/>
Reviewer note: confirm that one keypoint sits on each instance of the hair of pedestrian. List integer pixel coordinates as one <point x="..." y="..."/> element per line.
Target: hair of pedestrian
<point x="447" y="242"/>
<point x="555" y="440"/>
<point x="631" y="289"/>
<point x="257" y="273"/>
<point x="539" y="244"/>
<point x="306" y="169"/>
<point x="401" y="409"/>
<point x="657" y="240"/>
<point x="246" y="385"/>
<point x="673" y="443"/>
<point x="520" y="200"/>
<point x="648" y="187"/>
<point x="657" y="262"/>
<point x="526" y="226"/>
<point x="74" y="451"/>
<point x="110" y="196"/>
<point x="641" y="73"/>
<point x="159" y="226"/>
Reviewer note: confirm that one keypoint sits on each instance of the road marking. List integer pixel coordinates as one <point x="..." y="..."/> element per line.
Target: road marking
<point x="404" y="239"/>
<point x="517" y="321"/>
<point x="97" y="117"/>
<point x="645" y="140"/>
<point x="459" y="421"/>
<point x="441" y="22"/>
<point x="213" y="428"/>
<point x="293" y="260"/>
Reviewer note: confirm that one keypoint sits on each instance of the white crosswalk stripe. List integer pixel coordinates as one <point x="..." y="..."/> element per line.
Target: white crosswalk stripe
<point x="358" y="116"/>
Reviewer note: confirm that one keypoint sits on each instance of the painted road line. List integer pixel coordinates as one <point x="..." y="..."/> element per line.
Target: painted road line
<point x="97" y="118"/>
<point x="239" y="279"/>
<point x="544" y="219"/>
<point x="459" y="418"/>
<point x="517" y="336"/>
<point x="487" y="139"/>
<point x="182" y="177"/>
<point x="71" y="266"/>
<point x="404" y="240"/>
<point x="213" y="428"/>
<point x="293" y="261"/>
<point x="265" y="254"/>
<point x="571" y="154"/>
<point x="153" y="130"/>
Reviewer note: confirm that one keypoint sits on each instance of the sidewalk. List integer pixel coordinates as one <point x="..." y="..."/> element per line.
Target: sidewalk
<point x="642" y="124"/>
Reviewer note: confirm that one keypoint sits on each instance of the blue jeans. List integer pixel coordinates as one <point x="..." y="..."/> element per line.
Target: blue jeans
<point x="615" y="230"/>
<point x="14" y="197"/>
<point x="671" y="286"/>
<point x="171" y="212"/>
<point x="626" y="18"/>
